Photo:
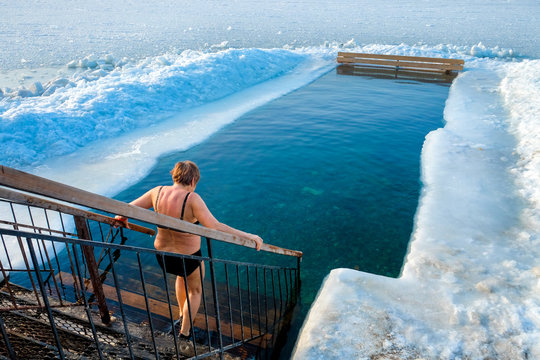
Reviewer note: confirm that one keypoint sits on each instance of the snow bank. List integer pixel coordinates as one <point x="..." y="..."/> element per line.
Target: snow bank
<point x="92" y="106"/>
<point x="470" y="286"/>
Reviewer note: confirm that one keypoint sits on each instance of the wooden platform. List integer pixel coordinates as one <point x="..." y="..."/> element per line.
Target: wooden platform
<point x="397" y="62"/>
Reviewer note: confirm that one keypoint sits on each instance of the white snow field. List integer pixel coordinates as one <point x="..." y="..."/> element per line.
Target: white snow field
<point x="82" y="83"/>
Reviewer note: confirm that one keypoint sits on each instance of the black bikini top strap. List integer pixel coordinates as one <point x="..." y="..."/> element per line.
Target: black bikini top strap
<point x="157" y="199"/>
<point x="184" y="207"/>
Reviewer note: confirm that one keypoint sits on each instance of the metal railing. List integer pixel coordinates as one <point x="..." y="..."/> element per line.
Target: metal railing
<point x="73" y="276"/>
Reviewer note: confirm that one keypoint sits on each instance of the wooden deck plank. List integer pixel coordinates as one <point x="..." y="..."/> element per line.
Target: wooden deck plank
<point x="404" y="64"/>
<point x="401" y="57"/>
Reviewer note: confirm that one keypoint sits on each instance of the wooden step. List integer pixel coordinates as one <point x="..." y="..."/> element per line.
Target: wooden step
<point x="155" y="288"/>
<point x="161" y="308"/>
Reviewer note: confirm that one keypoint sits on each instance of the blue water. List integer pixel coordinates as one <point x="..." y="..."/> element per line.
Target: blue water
<point x="331" y="169"/>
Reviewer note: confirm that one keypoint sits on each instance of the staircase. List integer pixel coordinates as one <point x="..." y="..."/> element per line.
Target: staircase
<point x="72" y="288"/>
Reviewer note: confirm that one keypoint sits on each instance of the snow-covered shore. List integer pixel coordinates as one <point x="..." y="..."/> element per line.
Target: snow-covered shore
<point x="470" y="285"/>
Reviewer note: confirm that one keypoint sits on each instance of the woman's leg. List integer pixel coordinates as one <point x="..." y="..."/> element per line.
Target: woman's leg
<point x="180" y="294"/>
<point x="194" y="284"/>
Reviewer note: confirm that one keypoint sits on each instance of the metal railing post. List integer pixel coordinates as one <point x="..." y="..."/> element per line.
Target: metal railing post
<point x="298" y="261"/>
<point x="121" y="305"/>
<point x="249" y="302"/>
<point x="148" y="311"/>
<point x="229" y="302"/>
<point x="214" y="294"/>
<point x="265" y="301"/>
<point x="45" y="298"/>
<point x="88" y="251"/>
<point x="166" y="285"/>
<point x="258" y="298"/>
<point x="9" y="348"/>
<point x="240" y="303"/>
<point x="84" y="300"/>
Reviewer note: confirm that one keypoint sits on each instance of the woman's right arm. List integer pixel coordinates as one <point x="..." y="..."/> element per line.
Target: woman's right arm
<point x="144" y="201"/>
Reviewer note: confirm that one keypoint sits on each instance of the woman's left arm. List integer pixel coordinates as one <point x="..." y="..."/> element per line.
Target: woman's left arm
<point x="205" y="217"/>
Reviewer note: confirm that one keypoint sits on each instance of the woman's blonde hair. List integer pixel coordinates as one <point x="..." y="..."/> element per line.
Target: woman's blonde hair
<point x="184" y="172"/>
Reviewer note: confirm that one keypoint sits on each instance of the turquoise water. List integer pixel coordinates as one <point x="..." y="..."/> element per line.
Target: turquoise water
<point x="331" y="169"/>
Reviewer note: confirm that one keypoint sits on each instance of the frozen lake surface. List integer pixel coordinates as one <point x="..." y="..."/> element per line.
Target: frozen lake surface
<point x="55" y="32"/>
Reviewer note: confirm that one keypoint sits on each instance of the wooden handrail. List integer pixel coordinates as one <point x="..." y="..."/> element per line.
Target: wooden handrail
<point x="20" y="180"/>
<point x="51" y="205"/>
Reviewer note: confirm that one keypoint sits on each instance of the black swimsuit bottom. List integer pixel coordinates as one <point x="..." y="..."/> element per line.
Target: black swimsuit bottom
<point x="175" y="265"/>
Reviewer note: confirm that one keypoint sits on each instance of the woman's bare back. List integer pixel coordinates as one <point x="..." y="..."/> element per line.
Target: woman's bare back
<point x="169" y="200"/>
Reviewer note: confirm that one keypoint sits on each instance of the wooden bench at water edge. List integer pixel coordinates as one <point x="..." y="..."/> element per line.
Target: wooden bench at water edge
<point x="411" y="63"/>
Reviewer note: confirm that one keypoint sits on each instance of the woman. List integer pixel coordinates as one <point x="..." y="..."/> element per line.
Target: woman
<point x="180" y="201"/>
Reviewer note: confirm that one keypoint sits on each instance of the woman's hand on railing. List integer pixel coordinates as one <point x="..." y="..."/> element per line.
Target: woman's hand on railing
<point x="121" y="220"/>
<point x="258" y="241"/>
